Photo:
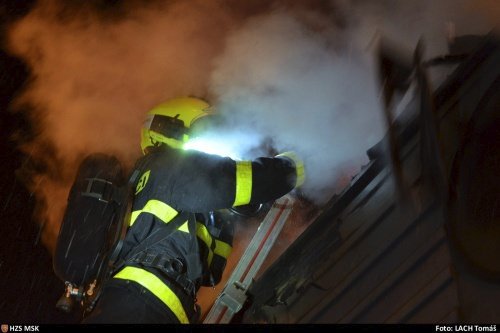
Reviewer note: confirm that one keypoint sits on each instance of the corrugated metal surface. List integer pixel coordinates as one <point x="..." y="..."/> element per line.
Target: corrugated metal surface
<point x="392" y="263"/>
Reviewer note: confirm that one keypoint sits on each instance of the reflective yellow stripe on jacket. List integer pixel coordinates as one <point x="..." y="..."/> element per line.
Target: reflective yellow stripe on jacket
<point x="243" y="183"/>
<point x="156" y="287"/>
<point x="159" y="209"/>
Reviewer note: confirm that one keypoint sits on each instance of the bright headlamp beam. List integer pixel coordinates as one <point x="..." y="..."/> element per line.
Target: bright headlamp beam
<point x="215" y="146"/>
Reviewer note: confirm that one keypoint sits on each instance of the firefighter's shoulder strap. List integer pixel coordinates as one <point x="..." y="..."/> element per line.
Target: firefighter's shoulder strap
<point x="126" y="200"/>
<point x="118" y="259"/>
<point x="143" y="255"/>
<point x="152" y="239"/>
<point x="142" y="252"/>
<point x="155" y="237"/>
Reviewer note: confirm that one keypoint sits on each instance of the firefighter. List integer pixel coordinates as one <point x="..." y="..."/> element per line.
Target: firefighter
<point x="167" y="255"/>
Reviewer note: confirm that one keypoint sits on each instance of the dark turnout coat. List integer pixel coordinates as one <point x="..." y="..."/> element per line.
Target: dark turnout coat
<point x="172" y="181"/>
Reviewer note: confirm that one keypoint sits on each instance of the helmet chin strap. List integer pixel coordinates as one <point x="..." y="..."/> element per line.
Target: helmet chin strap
<point x="154" y="142"/>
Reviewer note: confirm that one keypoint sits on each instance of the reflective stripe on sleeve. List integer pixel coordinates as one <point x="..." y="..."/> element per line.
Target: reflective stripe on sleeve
<point x="243" y="183"/>
<point x="156" y="287"/>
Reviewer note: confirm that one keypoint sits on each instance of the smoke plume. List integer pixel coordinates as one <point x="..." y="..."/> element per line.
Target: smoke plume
<point x="280" y="79"/>
<point x="297" y="74"/>
<point x="307" y="82"/>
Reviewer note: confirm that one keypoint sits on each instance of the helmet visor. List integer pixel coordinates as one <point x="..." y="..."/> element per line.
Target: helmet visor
<point x="167" y="126"/>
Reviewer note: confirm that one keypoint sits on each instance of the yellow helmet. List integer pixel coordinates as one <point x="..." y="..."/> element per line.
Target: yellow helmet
<point x="169" y="123"/>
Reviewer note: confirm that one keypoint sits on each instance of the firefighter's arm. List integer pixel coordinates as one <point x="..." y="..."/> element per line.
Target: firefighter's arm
<point x="222" y="182"/>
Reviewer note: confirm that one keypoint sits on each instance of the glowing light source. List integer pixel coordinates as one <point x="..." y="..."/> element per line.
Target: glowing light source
<point x="214" y="145"/>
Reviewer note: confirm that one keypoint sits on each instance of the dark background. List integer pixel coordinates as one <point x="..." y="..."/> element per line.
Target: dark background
<point x="29" y="288"/>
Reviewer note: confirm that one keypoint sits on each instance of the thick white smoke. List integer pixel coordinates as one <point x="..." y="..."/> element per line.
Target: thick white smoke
<point x="311" y="87"/>
<point x="280" y="79"/>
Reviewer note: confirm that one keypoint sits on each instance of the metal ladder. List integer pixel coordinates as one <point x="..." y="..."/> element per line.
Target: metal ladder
<point x="233" y="296"/>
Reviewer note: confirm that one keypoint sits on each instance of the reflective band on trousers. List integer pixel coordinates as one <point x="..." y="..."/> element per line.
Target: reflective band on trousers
<point x="204" y="235"/>
<point x="243" y="183"/>
<point x="221" y="249"/>
<point x="159" y="209"/>
<point x="156" y="287"/>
